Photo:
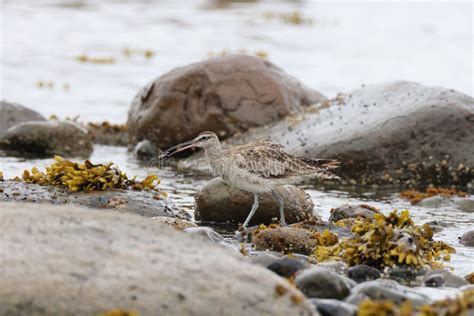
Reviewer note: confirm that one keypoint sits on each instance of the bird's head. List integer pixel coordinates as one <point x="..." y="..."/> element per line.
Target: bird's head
<point x="204" y="140"/>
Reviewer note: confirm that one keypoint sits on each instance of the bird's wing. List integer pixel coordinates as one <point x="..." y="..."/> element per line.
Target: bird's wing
<point x="267" y="159"/>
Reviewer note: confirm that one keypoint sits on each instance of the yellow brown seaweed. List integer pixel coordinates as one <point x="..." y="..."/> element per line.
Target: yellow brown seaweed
<point x="416" y="196"/>
<point x="387" y="241"/>
<point x="87" y="177"/>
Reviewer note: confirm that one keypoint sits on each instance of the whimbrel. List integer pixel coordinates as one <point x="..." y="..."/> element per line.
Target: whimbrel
<point x="257" y="167"/>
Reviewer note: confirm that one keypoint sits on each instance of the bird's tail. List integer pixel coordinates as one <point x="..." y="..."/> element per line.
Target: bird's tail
<point x="322" y="163"/>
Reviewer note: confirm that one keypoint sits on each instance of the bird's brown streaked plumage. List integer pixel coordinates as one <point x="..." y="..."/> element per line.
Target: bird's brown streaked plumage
<point x="258" y="167"/>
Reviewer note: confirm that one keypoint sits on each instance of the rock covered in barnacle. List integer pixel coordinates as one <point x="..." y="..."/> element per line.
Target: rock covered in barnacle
<point x="386" y="241"/>
<point x="290" y="239"/>
<point x="45" y="139"/>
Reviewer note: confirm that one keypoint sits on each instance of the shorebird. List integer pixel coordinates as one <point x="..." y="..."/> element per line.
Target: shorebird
<point x="257" y="167"/>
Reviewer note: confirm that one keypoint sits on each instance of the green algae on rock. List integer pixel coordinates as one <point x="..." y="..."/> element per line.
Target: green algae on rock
<point x="387" y="241"/>
<point x="87" y="177"/>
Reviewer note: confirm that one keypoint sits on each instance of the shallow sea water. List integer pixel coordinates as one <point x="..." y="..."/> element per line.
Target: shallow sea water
<point x="347" y="44"/>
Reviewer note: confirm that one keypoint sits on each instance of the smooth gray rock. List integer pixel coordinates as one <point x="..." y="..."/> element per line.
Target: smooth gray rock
<point x="206" y="232"/>
<point x="287" y="267"/>
<point x="226" y="95"/>
<point x="126" y="201"/>
<point x="46" y="139"/>
<point x="467" y="239"/>
<point x="12" y="114"/>
<point x="332" y="307"/>
<point x="449" y="279"/>
<point x="352" y="211"/>
<point x="264" y="258"/>
<point x="62" y="260"/>
<point x="382" y="289"/>
<point x="318" y="282"/>
<point x="218" y="202"/>
<point x="388" y="133"/>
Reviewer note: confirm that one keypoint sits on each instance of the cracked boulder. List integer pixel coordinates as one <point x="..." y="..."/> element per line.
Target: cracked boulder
<point x="226" y="95"/>
<point x="389" y="133"/>
<point x="45" y="139"/>
<point x="218" y="202"/>
<point x="12" y="114"/>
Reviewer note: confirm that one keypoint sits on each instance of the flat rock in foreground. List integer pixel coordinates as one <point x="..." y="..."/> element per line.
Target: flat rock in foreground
<point x="62" y="260"/>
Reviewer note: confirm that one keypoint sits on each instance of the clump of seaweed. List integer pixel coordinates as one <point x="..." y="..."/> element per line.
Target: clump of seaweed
<point x="84" y="58"/>
<point x="386" y="241"/>
<point x="87" y="177"/>
<point x="416" y="196"/>
<point x="295" y="17"/>
<point x="463" y="304"/>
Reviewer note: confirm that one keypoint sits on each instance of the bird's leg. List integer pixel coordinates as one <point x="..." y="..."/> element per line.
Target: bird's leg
<point x="252" y="211"/>
<point x="279" y="200"/>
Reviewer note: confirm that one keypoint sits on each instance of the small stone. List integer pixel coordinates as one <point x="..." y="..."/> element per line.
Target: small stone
<point x="264" y="258"/>
<point x="362" y="273"/>
<point x="383" y="289"/>
<point x="449" y="279"/>
<point x="434" y="280"/>
<point x="206" y="232"/>
<point x="318" y="282"/>
<point x="145" y="150"/>
<point x="333" y="307"/>
<point x="467" y="239"/>
<point x="287" y="267"/>
<point x="405" y="274"/>
<point x="469" y="278"/>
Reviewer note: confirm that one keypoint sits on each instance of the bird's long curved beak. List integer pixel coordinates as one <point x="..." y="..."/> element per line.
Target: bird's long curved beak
<point x="176" y="149"/>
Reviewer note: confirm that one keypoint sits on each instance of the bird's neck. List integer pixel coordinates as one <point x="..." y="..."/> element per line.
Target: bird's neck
<point x="214" y="151"/>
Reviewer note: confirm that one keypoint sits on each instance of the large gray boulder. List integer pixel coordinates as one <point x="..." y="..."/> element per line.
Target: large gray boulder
<point x="218" y="202"/>
<point x="389" y="133"/>
<point x="61" y="260"/>
<point x="144" y="203"/>
<point x="45" y="139"/>
<point x="226" y="95"/>
<point x="12" y="114"/>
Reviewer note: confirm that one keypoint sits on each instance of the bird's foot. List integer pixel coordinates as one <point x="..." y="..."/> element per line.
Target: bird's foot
<point x="283" y="223"/>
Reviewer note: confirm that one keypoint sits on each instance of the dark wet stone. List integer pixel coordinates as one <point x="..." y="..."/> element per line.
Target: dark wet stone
<point x="287" y="267"/>
<point x="389" y="133"/>
<point x="318" y="282"/>
<point x="362" y="273"/>
<point x="218" y="202"/>
<point x="226" y="95"/>
<point x="333" y="307"/>
<point x="434" y="280"/>
<point x="467" y="239"/>
<point x="382" y="289"/>
<point x="130" y="201"/>
<point x="46" y="139"/>
<point x="12" y="114"/>
<point x="449" y="279"/>
<point x="406" y="274"/>
<point x="145" y="150"/>
<point x="352" y="211"/>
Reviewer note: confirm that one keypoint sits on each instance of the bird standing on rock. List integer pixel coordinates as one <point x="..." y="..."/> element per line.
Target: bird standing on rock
<point x="257" y="167"/>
